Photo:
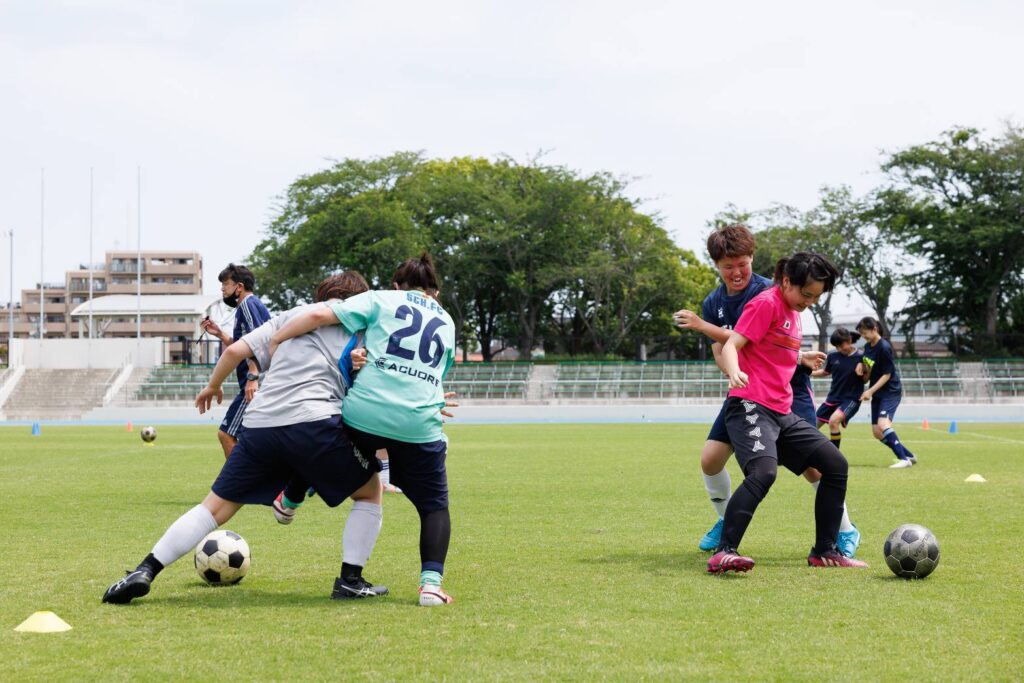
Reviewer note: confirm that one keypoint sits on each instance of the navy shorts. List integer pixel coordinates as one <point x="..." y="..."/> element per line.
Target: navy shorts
<point x="758" y="432"/>
<point x="266" y="458"/>
<point x="718" y="431"/>
<point x="847" y="408"/>
<point x="232" y="423"/>
<point x="885" y="406"/>
<point x="416" y="468"/>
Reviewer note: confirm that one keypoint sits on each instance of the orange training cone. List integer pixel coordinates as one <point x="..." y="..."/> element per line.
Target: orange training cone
<point x="924" y="424"/>
<point x="129" y="428"/>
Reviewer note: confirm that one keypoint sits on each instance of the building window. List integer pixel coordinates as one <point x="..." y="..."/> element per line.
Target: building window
<point x="183" y="280"/>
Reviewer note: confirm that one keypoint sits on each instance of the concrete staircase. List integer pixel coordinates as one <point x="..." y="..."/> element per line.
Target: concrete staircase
<point x="57" y="394"/>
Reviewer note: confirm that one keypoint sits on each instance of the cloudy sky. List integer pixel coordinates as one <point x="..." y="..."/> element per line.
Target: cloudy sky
<point x="224" y="103"/>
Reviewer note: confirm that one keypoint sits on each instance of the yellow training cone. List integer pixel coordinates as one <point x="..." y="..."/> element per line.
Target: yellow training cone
<point x="976" y="478"/>
<point x="43" y="622"/>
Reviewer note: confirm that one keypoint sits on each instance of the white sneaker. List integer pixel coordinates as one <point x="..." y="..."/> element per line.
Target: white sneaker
<point x="388" y="488"/>
<point x="282" y="513"/>
<point x="901" y="464"/>
<point x="432" y="596"/>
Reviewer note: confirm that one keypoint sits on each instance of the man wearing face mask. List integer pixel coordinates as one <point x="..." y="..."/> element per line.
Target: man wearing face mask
<point x="236" y="286"/>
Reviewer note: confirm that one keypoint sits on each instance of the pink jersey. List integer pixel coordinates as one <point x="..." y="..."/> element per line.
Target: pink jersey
<point x="771" y="355"/>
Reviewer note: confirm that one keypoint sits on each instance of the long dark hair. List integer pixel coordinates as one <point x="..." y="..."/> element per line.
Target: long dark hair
<point x="417" y="274"/>
<point x="806" y="265"/>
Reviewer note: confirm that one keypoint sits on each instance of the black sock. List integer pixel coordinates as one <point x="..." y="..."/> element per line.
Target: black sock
<point x="835" y="438"/>
<point x="435" y="534"/>
<point x="351" y="572"/>
<point x="151" y="565"/>
<point x="295" y="491"/>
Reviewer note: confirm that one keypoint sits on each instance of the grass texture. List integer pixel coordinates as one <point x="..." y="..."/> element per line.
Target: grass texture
<point x="574" y="557"/>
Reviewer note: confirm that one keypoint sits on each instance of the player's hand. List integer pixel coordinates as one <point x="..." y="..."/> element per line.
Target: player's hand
<point x="449" y="403"/>
<point x="687" y="320"/>
<point x="738" y="380"/>
<point x="859" y="369"/>
<point x="211" y="327"/>
<point x="250" y="390"/>
<point x="205" y="398"/>
<point x="866" y="396"/>
<point x="813" y="359"/>
<point x="358" y="357"/>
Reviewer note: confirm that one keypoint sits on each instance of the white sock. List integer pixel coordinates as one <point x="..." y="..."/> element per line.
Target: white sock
<point x="385" y="473"/>
<point x="361" y="531"/>
<point x="845" y="524"/>
<point x="719" y="488"/>
<point x="184" y="535"/>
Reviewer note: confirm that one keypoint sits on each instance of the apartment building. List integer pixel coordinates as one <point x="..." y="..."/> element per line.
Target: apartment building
<point x="162" y="273"/>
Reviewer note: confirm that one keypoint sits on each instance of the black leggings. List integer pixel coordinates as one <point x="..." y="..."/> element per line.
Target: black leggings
<point x="435" y="533"/>
<point x="828" y="504"/>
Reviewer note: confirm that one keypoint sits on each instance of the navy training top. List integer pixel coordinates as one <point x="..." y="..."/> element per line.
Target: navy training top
<point x="250" y="314"/>
<point x="881" y="360"/>
<point x="846" y="384"/>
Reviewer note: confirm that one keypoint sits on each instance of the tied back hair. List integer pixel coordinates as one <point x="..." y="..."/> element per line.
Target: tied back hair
<point x="418" y="273"/>
<point x="804" y="266"/>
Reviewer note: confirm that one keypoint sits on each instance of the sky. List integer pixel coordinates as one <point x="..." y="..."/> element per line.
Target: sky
<point x="223" y="104"/>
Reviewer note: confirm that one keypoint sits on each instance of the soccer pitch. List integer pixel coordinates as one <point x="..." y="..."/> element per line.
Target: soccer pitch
<point x="574" y="556"/>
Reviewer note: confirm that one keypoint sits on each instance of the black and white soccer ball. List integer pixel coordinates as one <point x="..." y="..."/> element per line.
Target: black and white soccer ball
<point x="912" y="552"/>
<point x="148" y="434"/>
<point x="222" y="558"/>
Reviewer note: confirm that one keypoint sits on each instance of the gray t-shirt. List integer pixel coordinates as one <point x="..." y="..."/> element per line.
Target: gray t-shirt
<point x="304" y="383"/>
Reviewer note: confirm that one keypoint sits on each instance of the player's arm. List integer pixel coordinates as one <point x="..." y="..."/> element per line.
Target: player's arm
<point x="873" y="389"/>
<point x="688" y="320"/>
<point x="229" y="360"/>
<point x="812" y="359"/>
<point x="716" y="353"/>
<point x="731" y="360"/>
<point x="299" y="325"/>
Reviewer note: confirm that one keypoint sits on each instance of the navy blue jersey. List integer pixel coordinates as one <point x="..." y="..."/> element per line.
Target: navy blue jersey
<point x="724" y="310"/>
<point x="803" y="394"/>
<point x="250" y="314"/>
<point x="846" y="383"/>
<point x="881" y="360"/>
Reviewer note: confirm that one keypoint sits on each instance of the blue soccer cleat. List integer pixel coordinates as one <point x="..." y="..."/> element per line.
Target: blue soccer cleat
<point x="849" y="541"/>
<point x="713" y="537"/>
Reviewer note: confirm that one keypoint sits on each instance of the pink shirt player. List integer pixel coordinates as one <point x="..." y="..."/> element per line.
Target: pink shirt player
<point x="774" y="330"/>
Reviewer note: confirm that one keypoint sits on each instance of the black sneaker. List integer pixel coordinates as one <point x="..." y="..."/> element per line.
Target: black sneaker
<point x="134" y="585"/>
<point x="359" y="588"/>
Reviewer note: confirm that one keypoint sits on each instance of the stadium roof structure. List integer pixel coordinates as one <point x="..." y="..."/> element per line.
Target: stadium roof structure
<point x="150" y="304"/>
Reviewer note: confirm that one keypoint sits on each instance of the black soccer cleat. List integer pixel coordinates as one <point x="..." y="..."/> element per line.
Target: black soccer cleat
<point x="359" y="588"/>
<point x="134" y="585"/>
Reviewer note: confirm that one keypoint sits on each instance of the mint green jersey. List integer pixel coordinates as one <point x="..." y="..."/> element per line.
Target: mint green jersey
<point x="410" y="345"/>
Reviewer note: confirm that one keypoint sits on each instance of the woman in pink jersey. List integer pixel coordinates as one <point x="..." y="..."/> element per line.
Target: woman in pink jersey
<point x="760" y="357"/>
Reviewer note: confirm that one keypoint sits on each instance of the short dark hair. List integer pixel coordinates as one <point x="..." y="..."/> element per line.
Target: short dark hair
<point x="805" y="265"/>
<point x="731" y="241"/>
<point x="341" y="286"/>
<point x="868" y="323"/>
<point x="841" y="335"/>
<point x="417" y="273"/>
<point x="239" y="274"/>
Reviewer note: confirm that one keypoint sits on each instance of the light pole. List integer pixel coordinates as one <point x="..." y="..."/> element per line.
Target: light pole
<point x="10" y="304"/>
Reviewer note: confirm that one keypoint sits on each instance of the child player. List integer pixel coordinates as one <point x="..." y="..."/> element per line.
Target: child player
<point x="843" y="400"/>
<point x="884" y="390"/>
<point x="759" y="359"/>
<point x="732" y="248"/>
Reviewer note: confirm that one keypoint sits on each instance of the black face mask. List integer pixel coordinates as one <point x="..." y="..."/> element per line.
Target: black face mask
<point x="231" y="301"/>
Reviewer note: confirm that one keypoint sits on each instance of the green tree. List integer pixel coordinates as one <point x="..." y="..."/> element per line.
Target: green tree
<point x="958" y="204"/>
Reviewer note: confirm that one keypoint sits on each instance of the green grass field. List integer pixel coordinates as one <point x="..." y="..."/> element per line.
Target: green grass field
<point x="573" y="557"/>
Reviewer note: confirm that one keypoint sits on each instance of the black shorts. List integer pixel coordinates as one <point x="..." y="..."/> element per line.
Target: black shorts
<point x="266" y="458"/>
<point x="847" y="408"/>
<point x="758" y="432"/>
<point x="885" y="405"/>
<point x="416" y="468"/>
<point x="232" y="424"/>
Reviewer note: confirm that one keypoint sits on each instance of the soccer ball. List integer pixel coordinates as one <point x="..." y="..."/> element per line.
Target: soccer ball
<point x="222" y="558"/>
<point x="148" y="434"/>
<point x="912" y="552"/>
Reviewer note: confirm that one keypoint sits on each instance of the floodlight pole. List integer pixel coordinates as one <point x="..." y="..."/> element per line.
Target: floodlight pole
<point x="138" y="259"/>
<point x="10" y="304"/>
<point x="42" y="247"/>
<point x="90" y="248"/>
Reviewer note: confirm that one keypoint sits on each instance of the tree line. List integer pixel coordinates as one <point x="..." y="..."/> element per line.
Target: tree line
<point x="535" y="254"/>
